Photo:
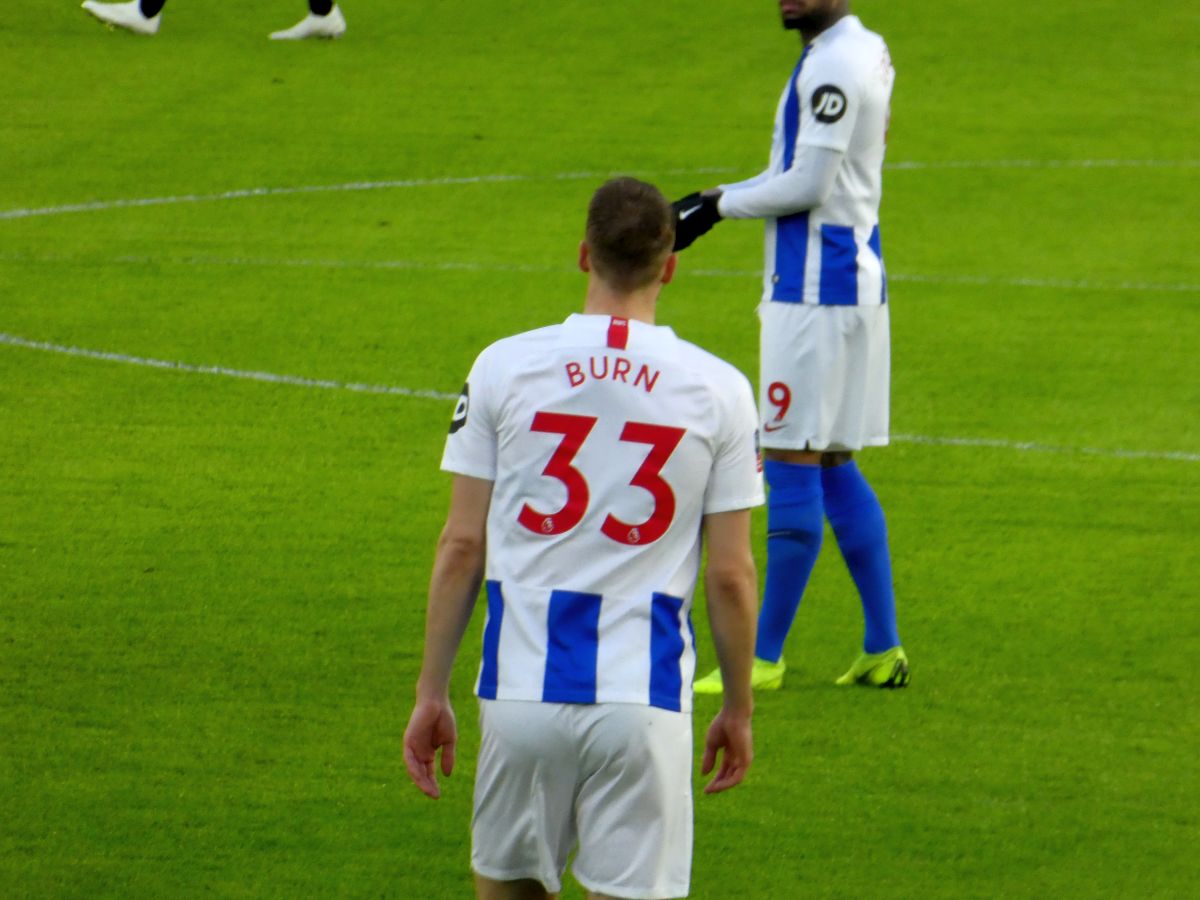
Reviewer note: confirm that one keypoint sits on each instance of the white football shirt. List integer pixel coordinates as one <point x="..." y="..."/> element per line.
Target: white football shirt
<point x="607" y="440"/>
<point x="837" y="98"/>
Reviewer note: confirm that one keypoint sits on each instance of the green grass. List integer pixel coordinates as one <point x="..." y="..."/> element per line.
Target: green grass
<point x="212" y="589"/>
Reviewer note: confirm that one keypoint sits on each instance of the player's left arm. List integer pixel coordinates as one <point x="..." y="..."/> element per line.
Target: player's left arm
<point x="746" y="183"/>
<point x="458" y="570"/>
<point x="735" y="487"/>
<point x="831" y="94"/>
<point x="731" y="586"/>
<point x="806" y="185"/>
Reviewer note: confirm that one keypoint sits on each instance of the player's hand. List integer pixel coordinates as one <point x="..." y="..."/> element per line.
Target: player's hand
<point x="695" y="215"/>
<point x="430" y="727"/>
<point x="731" y="734"/>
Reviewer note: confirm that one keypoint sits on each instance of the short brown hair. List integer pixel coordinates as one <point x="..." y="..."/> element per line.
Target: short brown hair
<point x="630" y="232"/>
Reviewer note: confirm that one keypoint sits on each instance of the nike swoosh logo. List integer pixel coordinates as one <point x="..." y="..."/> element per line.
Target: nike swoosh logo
<point x="776" y="428"/>
<point x="687" y="212"/>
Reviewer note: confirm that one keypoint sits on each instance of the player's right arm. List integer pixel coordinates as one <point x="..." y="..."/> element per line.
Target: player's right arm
<point x="731" y="585"/>
<point x="458" y="570"/>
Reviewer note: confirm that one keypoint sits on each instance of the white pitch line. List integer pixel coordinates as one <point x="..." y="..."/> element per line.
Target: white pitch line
<point x="1047" y="164"/>
<point x="467" y="266"/>
<point x="297" y="381"/>
<point x="245" y="193"/>
<point x="260" y="262"/>
<point x="1081" y="284"/>
<point x="294" y="380"/>
<point x="1034" y="446"/>
<point x="388" y="184"/>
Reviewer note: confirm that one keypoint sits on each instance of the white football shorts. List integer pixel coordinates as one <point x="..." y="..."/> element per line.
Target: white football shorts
<point x="614" y="778"/>
<point x="825" y="376"/>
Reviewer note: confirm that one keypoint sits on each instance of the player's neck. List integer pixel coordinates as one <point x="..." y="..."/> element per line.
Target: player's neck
<point x="810" y="33"/>
<point x="639" y="305"/>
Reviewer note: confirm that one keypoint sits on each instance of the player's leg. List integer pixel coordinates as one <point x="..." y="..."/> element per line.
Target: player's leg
<point x="797" y="356"/>
<point x="324" y="20"/>
<point x="795" y="526"/>
<point x="793" y="352"/>
<point x="138" y="16"/>
<point x="851" y="506"/>
<point x="523" y="825"/>
<point x="634" y="806"/>
<point x="859" y="525"/>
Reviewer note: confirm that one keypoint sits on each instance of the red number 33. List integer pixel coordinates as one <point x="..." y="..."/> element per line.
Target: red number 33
<point x="575" y="430"/>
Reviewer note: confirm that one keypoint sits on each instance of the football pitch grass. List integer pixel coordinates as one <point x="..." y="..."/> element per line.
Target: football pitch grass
<point x="212" y="586"/>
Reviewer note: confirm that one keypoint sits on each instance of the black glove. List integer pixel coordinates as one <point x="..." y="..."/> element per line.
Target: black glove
<point x="695" y="215"/>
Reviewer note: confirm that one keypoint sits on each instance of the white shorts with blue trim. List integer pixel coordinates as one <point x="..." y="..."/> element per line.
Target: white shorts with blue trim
<point x="825" y="376"/>
<point x="613" y="778"/>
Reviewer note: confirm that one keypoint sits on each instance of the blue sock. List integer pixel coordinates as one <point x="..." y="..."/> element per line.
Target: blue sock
<point x="858" y="524"/>
<point x="795" y="524"/>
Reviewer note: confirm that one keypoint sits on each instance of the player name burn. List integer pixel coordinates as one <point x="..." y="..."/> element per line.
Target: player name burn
<point x="612" y="368"/>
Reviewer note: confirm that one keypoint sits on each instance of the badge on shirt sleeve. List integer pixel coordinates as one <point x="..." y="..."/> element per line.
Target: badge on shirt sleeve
<point x="828" y="103"/>
<point x="460" y="410"/>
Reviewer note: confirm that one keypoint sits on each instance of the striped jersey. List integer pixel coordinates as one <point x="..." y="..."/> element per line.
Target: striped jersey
<point x="606" y="441"/>
<point x="838" y="98"/>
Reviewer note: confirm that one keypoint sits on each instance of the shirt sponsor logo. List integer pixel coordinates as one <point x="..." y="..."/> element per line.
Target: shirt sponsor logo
<point x="460" y="411"/>
<point x="828" y="103"/>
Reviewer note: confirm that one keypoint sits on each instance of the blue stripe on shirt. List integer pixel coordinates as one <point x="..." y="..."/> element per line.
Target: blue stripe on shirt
<point x="875" y="245"/>
<point x="791" y="232"/>
<point x="791" y="115"/>
<point x="489" y="671"/>
<point x="839" y="266"/>
<point x="666" y="652"/>
<point x="572" y="642"/>
<point x="791" y="252"/>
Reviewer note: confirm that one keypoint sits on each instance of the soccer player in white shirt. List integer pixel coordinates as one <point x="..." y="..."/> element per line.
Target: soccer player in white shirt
<point x="590" y="459"/>
<point x="824" y="347"/>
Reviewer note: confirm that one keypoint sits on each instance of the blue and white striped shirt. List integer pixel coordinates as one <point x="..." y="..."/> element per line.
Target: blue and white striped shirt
<point x="836" y="99"/>
<point x="607" y="441"/>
